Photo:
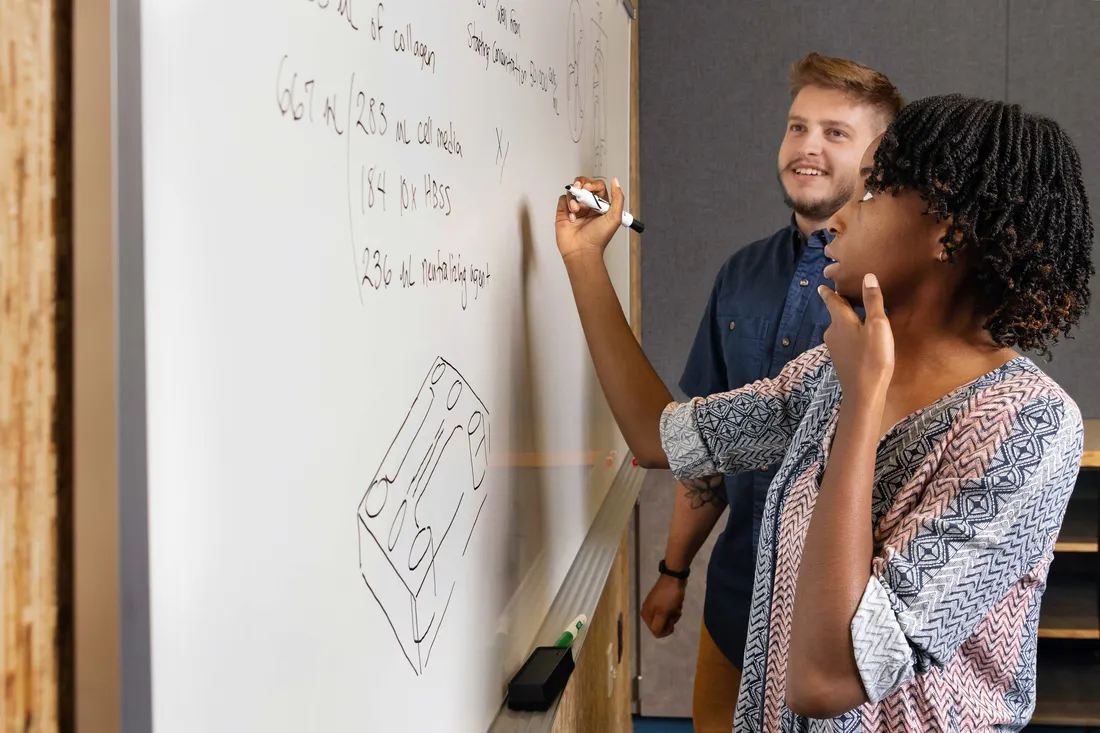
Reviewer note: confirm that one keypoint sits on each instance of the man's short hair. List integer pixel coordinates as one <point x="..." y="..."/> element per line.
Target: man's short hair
<point x="862" y="82"/>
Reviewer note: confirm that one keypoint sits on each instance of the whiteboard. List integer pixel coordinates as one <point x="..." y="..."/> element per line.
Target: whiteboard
<point x="375" y="441"/>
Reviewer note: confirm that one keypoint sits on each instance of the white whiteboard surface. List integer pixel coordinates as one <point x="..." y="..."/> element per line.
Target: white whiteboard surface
<point x="375" y="439"/>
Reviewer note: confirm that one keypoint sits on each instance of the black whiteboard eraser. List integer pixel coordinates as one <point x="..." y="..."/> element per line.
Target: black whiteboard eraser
<point x="541" y="678"/>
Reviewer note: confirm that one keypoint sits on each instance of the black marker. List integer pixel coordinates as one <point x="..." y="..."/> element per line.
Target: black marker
<point x="593" y="201"/>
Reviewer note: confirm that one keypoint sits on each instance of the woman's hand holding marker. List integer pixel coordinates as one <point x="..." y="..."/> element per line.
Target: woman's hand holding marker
<point x="587" y="220"/>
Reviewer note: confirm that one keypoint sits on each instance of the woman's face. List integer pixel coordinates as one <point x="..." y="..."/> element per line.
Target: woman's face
<point x="888" y="235"/>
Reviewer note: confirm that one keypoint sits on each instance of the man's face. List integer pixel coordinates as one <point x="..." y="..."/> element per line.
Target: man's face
<point x="827" y="133"/>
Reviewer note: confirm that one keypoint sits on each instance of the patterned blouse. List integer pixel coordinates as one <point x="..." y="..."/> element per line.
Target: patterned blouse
<point x="968" y="497"/>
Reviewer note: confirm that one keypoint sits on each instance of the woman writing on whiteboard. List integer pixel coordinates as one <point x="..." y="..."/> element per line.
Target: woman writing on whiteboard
<point x="908" y="532"/>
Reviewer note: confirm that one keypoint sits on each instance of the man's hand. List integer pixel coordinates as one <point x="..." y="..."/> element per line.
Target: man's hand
<point x="580" y="229"/>
<point x="664" y="605"/>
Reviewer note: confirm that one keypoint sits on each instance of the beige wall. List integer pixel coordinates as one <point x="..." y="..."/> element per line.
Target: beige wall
<point x="96" y="510"/>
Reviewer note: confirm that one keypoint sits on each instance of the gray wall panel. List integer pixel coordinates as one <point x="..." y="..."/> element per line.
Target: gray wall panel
<point x="1054" y="69"/>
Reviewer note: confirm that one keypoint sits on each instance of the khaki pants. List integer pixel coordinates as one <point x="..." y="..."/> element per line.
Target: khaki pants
<point x="717" y="682"/>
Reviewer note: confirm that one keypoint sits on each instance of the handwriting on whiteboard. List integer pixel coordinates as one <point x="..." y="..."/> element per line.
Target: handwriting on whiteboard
<point x="496" y="54"/>
<point x="307" y="99"/>
<point x="502" y="152"/>
<point x="404" y="40"/>
<point x="355" y="109"/>
<point x="304" y="97"/>
<point x="599" y="106"/>
<point x="507" y="18"/>
<point x="439" y="270"/>
<point x="574" y="54"/>
<point x="427" y="195"/>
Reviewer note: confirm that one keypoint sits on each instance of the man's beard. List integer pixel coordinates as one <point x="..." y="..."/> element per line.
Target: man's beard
<point x="821" y="209"/>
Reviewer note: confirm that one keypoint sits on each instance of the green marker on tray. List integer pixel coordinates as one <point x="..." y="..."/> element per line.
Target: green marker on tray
<point x="571" y="631"/>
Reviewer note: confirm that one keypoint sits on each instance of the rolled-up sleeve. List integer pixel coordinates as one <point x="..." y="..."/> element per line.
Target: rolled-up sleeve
<point x="739" y="430"/>
<point x="988" y="516"/>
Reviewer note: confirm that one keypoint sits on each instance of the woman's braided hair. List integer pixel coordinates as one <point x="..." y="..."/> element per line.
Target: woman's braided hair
<point x="1010" y="185"/>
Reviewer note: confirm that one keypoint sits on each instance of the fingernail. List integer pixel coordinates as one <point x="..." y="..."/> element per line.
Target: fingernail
<point x="572" y="217"/>
<point x="576" y="184"/>
<point x="615" y="182"/>
<point x="870" y="280"/>
<point x="821" y="290"/>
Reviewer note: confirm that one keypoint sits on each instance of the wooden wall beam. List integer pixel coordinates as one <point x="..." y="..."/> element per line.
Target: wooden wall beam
<point x="35" y="367"/>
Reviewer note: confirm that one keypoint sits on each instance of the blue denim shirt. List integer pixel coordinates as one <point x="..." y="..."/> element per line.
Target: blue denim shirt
<point x="764" y="310"/>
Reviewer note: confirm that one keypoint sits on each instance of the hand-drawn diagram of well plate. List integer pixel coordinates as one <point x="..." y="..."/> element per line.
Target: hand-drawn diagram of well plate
<point x="419" y="512"/>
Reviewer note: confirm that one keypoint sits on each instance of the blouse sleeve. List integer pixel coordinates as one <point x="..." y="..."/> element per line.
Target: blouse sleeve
<point x="737" y="431"/>
<point x="989" y="515"/>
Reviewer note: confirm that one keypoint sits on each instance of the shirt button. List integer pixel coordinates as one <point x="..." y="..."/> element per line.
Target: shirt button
<point x="803" y="282"/>
<point x="786" y="342"/>
<point x="764" y="467"/>
<point x="732" y="324"/>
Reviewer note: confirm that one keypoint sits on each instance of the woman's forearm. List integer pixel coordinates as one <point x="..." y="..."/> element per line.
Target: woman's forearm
<point x="635" y="393"/>
<point x="823" y="679"/>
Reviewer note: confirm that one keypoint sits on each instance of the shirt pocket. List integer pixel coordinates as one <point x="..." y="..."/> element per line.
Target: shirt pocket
<point x="744" y="340"/>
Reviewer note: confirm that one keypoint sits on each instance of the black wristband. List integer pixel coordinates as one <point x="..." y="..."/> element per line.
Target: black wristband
<point x="678" y="574"/>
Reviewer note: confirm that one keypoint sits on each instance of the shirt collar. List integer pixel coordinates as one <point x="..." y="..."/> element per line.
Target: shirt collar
<point x="818" y="239"/>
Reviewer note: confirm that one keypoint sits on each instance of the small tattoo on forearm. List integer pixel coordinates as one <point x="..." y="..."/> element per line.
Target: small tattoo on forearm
<point x="705" y="490"/>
